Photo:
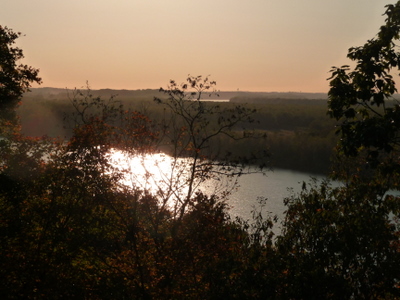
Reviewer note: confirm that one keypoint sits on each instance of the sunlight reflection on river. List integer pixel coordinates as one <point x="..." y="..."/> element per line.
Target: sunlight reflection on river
<point x="158" y="172"/>
<point x="164" y="176"/>
<point x="148" y="172"/>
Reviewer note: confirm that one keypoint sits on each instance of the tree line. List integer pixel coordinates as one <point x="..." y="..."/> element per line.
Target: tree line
<point x="299" y="136"/>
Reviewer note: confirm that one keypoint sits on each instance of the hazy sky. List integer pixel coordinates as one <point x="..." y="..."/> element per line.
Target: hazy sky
<point x="253" y="45"/>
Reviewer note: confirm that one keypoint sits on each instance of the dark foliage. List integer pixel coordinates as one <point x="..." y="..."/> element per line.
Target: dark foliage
<point x="15" y="79"/>
<point x="71" y="228"/>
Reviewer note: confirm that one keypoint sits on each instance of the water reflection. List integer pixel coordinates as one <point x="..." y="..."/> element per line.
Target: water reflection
<point x="151" y="172"/>
<point x="168" y="178"/>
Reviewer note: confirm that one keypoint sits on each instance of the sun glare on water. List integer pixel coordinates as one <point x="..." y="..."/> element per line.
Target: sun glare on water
<point x="157" y="173"/>
<point x="167" y="178"/>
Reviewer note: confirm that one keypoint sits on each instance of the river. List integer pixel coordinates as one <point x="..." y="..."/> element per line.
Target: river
<point x="274" y="186"/>
<point x="154" y="172"/>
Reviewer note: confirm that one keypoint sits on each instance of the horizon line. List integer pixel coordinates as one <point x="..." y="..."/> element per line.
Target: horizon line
<point x="144" y="89"/>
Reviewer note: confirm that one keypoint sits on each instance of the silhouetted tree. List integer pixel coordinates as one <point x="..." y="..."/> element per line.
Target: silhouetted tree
<point x="191" y="128"/>
<point x="363" y="98"/>
<point x="343" y="242"/>
<point x="15" y="79"/>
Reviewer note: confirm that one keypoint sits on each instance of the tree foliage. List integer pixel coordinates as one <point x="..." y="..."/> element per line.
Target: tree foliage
<point x="341" y="242"/>
<point x="362" y="98"/>
<point x="72" y="228"/>
<point x="191" y="128"/>
<point x="15" y="79"/>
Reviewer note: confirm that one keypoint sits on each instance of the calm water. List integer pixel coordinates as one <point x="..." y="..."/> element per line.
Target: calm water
<point x="154" y="173"/>
<point x="274" y="186"/>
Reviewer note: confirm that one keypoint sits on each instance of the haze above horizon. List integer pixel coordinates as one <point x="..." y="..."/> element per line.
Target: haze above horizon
<point x="257" y="45"/>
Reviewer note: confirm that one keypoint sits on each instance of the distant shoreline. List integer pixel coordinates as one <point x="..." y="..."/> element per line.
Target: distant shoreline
<point x="212" y="96"/>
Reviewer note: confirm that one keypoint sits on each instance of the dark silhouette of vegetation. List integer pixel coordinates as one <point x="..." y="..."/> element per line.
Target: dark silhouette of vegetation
<point x="72" y="229"/>
<point x="341" y="243"/>
<point x="361" y="98"/>
<point x="71" y="226"/>
<point x="14" y="79"/>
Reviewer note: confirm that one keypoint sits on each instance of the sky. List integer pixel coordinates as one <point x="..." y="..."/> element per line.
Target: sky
<point x="253" y="45"/>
